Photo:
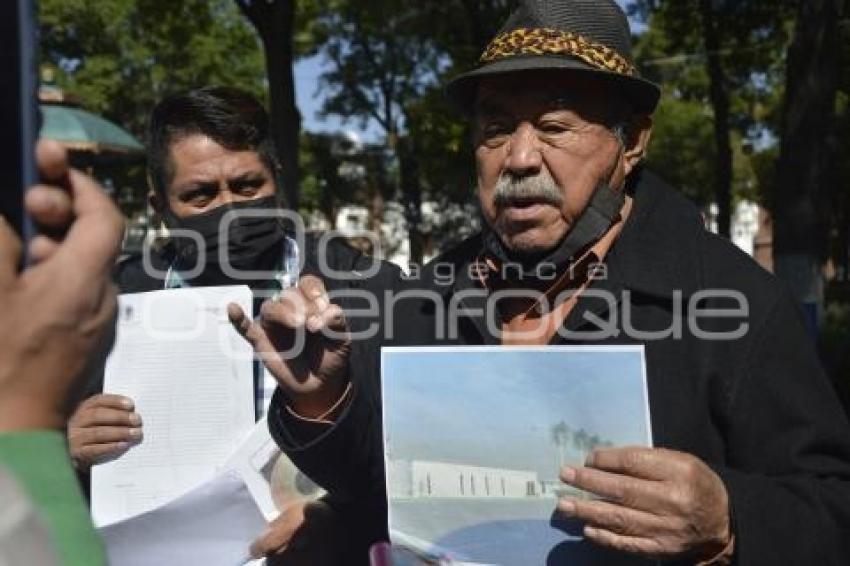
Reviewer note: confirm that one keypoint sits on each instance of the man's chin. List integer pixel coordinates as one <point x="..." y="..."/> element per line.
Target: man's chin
<point x="528" y="244"/>
<point x="531" y="238"/>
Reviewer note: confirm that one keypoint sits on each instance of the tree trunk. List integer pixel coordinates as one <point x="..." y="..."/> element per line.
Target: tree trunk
<point x="719" y="95"/>
<point x="843" y="245"/>
<point x="411" y="190"/>
<point x="285" y="117"/>
<point x="275" y="21"/>
<point x="802" y="187"/>
<point x="327" y="204"/>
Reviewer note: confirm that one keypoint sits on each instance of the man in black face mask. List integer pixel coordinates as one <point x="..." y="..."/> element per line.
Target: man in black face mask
<point x="211" y="169"/>
<point x="212" y="172"/>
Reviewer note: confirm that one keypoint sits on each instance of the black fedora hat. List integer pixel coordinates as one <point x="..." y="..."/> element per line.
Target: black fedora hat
<point x="579" y="36"/>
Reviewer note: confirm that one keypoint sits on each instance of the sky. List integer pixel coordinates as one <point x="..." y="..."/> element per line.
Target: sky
<point x="496" y="408"/>
<point x="309" y="99"/>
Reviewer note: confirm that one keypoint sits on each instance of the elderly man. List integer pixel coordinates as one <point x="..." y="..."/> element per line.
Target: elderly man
<point x="751" y="462"/>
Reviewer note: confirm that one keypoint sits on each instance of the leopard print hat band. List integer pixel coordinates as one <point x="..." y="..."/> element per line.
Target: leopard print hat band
<point x="547" y="41"/>
<point x="589" y="37"/>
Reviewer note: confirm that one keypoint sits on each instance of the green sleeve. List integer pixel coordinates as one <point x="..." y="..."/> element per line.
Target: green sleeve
<point x="39" y="461"/>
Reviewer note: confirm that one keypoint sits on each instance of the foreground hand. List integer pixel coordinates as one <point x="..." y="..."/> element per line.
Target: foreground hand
<point x="59" y="311"/>
<point x="656" y="503"/>
<point x="303" y="341"/>
<point x="102" y="427"/>
<point x="303" y="534"/>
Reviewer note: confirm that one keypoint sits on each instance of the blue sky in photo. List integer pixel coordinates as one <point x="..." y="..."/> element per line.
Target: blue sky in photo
<point x="496" y="408"/>
<point x="310" y="98"/>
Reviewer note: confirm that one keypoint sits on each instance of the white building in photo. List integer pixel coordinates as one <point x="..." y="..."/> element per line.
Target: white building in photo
<point x="423" y="479"/>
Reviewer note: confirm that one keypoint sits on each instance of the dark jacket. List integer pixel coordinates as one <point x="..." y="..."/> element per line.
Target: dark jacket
<point x="758" y="409"/>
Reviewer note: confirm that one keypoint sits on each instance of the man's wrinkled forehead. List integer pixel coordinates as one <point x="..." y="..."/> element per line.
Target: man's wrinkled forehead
<point x="543" y="92"/>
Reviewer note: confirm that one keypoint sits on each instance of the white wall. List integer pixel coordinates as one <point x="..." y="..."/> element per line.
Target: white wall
<point x="744" y="225"/>
<point x="441" y="479"/>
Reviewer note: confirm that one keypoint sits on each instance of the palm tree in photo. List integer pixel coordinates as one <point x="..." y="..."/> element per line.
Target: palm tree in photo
<point x="560" y="438"/>
<point x="580" y="441"/>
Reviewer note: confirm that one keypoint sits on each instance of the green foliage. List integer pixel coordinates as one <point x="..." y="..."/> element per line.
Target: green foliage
<point x="379" y="62"/>
<point x="311" y="32"/>
<point x="332" y="180"/>
<point x="443" y="141"/>
<point x="754" y="35"/>
<point x="389" y="61"/>
<point x="682" y="148"/>
<point x="319" y="181"/>
<point x="119" y="57"/>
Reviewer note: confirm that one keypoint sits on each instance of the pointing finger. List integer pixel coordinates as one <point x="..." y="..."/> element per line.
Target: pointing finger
<point x="241" y="322"/>
<point x="247" y="328"/>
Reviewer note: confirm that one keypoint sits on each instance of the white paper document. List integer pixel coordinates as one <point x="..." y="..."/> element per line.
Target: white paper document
<point x="213" y="525"/>
<point x="191" y="378"/>
<point x="271" y="477"/>
<point x="474" y="439"/>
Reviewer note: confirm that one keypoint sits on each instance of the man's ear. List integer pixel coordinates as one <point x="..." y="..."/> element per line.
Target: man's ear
<point x="155" y="200"/>
<point x="637" y="141"/>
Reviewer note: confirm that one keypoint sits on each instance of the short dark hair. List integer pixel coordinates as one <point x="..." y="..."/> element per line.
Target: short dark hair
<point x="230" y="116"/>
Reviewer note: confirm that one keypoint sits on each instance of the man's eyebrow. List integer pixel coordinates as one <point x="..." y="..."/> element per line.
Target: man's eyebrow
<point x="195" y="183"/>
<point x="247" y="176"/>
<point x="192" y="189"/>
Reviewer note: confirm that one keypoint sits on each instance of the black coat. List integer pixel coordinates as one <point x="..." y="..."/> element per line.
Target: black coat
<point x="758" y="409"/>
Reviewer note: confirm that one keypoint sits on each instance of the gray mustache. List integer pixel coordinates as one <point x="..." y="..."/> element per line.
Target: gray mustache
<point x="539" y="188"/>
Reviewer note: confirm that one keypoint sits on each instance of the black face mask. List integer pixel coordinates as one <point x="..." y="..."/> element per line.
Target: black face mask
<point x="253" y="242"/>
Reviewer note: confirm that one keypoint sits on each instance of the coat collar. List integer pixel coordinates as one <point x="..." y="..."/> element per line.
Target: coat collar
<point x="658" y="251"/>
